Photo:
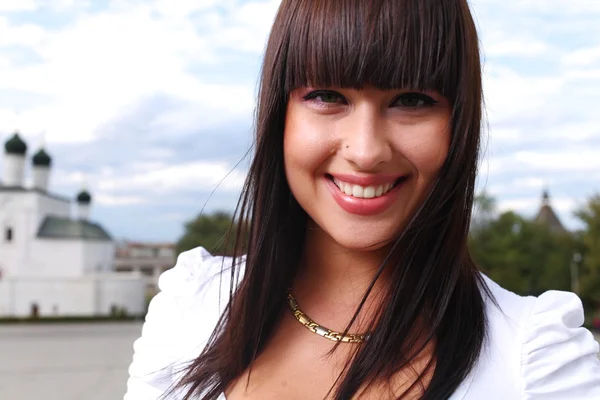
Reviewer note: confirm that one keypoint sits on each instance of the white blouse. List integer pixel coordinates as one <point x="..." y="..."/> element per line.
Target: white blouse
<point x="536" y="347"/>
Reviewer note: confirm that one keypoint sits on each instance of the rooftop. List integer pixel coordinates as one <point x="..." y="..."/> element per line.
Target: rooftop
<point x="547" y="216"/>
<point x="66" y="228"/>
<point x="33" y="190"/>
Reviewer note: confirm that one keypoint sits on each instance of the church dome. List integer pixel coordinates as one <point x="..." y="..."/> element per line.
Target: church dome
<point x="84" y="197"/>
<point x="15" y="145"/>
<point x="42" y="159"/>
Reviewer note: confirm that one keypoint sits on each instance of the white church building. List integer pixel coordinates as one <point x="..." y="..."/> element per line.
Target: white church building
<point x="53" y="263"/>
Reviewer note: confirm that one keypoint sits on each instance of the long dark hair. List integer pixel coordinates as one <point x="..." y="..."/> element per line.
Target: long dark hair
<point x="388" y="44"/>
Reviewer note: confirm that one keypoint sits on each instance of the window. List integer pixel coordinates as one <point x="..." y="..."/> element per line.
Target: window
<point x="8" y="235"/>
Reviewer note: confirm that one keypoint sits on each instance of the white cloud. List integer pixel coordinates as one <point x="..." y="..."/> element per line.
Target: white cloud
<point x="162" y="178"/>
<point x="583" y="160"/>
<point x="517" y="185"/>
<point x="530" y="205"/>
<point x="104" y="63"/>
<point x="20" y="35"/>
<point x="573" y="7"/>
<point x="510" y="94"/>
<point x="553" y="7"/>
<point x="94" y="70"/>
<point x="183" y="8"/>
<point x="20" y="5"/>
<point x="104" y="199"/>
<point x="501" y="47"/>
<point x="583" y="57"/>
<point x="247" y="26"/>
<point x="143" y="183"/>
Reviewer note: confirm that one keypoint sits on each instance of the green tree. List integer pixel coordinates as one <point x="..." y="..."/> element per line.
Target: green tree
<point x="484" y="209"/>
<point x="589" y="273"/>
<point x="521" y="255"/>
<point x="209" y="231"/>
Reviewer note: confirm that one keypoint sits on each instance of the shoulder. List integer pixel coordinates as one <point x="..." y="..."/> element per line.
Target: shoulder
<point x="195" y="273"/>
<point x="180" y="319"/>
<point x="542" y="344"/>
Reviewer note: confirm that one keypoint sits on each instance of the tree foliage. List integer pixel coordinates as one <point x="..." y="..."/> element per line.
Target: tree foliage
<point x="215" y="232"/>
<point x="523" y="256"/>
<point x="589" y="215"/>
<point x="484" y="209"/>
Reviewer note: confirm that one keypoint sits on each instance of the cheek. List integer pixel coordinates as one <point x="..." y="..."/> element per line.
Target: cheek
<point x="426" y="147"/>
<point x="306" y="146"/>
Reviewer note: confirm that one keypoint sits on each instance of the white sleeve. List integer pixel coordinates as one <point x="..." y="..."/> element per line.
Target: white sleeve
<point x="559" y="356"/>
<point x="165" y="337"/>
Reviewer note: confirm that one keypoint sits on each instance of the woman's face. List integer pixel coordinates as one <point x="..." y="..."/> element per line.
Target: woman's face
<point x="361" y="162"/>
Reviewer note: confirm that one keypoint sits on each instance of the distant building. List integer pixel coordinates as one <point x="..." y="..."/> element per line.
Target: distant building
<point x="547" y="216"/>
<point x="53" y="264"/>
<point x="147" y="259"/>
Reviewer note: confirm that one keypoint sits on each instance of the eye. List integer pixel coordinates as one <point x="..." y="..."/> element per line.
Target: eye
<point x="414" y="100"/>
<point x="326" y="97"/>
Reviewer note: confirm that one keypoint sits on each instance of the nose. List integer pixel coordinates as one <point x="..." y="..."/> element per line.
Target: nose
<point x="365" y="142"/>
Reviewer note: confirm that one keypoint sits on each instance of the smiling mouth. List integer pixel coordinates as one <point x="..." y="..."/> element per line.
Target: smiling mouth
<point x="364" y="192"/>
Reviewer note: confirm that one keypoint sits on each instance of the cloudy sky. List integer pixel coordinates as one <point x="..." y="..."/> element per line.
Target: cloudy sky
<point x="149" y="103"/>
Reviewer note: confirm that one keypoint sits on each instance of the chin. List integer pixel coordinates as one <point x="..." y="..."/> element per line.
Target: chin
<point x="364" y="246"/>
<point x="361" y="240"/>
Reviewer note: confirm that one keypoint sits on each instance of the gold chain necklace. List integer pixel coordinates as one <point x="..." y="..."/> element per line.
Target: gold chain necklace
<point x="319" y="329"/>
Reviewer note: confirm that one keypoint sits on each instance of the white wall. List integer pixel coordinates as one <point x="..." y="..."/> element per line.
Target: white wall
<point x="40" y="177"/>
<point x="46" y="206"/>
<point x="128" y="292"/>
<point x="13" y="170"/>
<point x="24" y="213"/>
<point x="31" y="216"/>
<point x="88" y="296"/>
<point x="69" y="258"/>
<point x="26" y="255"/>
<point x="55" y="257"/>
<point x="6" y="294"/>
<point x="98" y="256"/>
<point x="16" y="212"/>
<point x="53" y="297"/>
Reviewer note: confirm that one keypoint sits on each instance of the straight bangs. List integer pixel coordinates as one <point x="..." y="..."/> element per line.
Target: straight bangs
<point x="403" y="44"/>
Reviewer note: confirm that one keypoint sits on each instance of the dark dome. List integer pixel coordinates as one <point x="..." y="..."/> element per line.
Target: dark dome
<point x="42" y="159"/>
<point x="15" y="145"/>
<point x="84" y="197"/>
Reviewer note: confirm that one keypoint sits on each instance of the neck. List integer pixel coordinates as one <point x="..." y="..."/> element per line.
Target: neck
<point x="333" y="280"/>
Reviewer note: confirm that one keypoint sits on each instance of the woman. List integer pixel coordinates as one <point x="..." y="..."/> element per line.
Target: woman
<point x="359" y="198"/>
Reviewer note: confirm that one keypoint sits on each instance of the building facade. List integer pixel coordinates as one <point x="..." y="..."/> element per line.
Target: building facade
<point x="55" y="261"/>
<point x="146" y="259"/>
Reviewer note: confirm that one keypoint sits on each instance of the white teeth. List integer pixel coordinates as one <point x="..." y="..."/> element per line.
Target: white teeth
<point x="367" y="192"/>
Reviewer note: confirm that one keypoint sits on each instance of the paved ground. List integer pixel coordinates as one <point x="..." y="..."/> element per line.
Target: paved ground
<point x="65" y="362"/>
